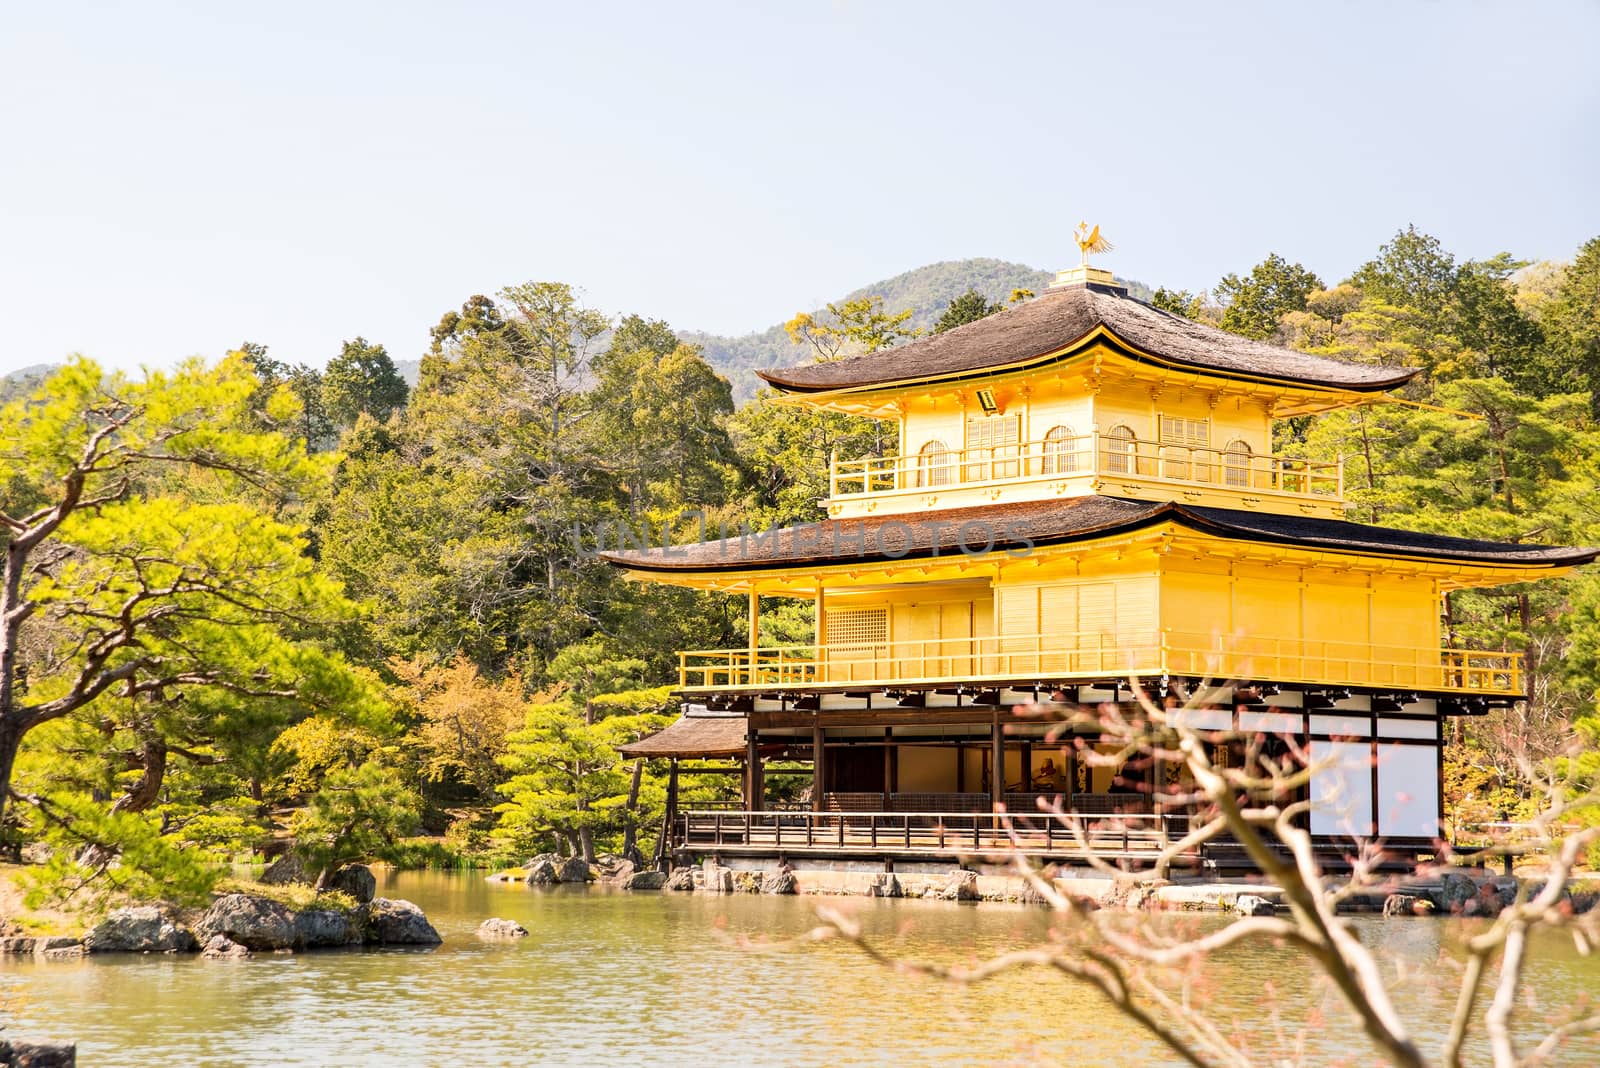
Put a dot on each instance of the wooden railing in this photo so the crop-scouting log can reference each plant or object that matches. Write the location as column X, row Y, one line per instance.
column 1120, row 836
column 921, row 660
column 1089, row 456
column 1099, row 655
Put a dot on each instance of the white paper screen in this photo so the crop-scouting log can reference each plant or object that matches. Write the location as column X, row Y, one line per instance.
column 1408, row 790
column 1341, row 788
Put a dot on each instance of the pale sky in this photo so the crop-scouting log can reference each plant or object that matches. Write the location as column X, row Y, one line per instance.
column 175, row 179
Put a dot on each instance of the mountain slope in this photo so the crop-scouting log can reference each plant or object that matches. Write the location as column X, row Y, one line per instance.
column 23, row 379
column 927, row 291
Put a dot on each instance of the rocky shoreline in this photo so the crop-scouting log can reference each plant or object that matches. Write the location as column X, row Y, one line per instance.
column 238, row 925
column 1465, row 892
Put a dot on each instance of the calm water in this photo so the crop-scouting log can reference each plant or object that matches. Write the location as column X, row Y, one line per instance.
column 664, row 979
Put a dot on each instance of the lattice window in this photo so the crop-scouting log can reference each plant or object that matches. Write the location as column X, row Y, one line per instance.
column 933, row 465
column 1176, row 430
column 1236, row 464
column 1057, row 452
column 992, row 447
column 858, row 626
column 1119, row 450
column 1179, row 437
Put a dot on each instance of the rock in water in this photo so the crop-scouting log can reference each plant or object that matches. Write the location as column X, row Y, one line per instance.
column 716, row 879
column 620, row 872
column 1407, row 905
column 648, row 880
column 573, row 870
column 496, row 929
column 1455, row 890
column 886, row 885
column 397, row 923
column 140, row 929
column 680, row 879
column 1253, row 905
column 253, row 922
column 747, row 882
column 542, row 873
column 221, row 947
column 780, row 881
column 963, row 886
column 324, row 928
column 356, row 880
column 613, row 868
column 38, row 1054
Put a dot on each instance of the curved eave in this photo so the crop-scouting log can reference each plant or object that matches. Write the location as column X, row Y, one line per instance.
column 1101, row 334
column 1525, row 561
column 652, row 563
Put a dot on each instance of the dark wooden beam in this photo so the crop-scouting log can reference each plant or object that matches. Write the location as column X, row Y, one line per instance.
column 819, row 768
column 885, row 717
column 891, row 762
column 997, row 776
column 752, row 769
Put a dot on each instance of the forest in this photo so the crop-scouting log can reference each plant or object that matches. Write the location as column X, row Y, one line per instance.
column 251, row 606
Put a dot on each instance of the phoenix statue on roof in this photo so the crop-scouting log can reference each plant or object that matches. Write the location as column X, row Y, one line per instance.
column 1090, row 241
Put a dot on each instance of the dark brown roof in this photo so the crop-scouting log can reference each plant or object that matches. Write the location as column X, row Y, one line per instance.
column 699, row 736
column 1019, row 525
column 1062, row 319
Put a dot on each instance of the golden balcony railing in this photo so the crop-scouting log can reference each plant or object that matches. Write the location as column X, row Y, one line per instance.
column 1090, row 457
column 1056, row 657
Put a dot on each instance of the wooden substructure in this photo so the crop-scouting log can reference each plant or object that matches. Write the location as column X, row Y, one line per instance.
column 893, row 779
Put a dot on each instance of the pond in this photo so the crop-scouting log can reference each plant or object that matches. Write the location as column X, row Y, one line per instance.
column 667, row 979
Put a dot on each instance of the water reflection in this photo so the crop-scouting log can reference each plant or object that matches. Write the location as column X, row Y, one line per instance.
column 652, row 978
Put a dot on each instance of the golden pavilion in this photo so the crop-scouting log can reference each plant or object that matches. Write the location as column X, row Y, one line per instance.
column 1084, row 493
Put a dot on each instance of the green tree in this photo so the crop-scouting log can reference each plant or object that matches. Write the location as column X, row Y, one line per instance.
column 458, row 521
column 1180, row 302
column 140, row 559
column 663, row 413
column 969, row 307
column 310, row 424
column 860, row 325
column 1254, row 304
column 358, row 803
column 1411, row 270
column 478, row 316
column 361, row 380
column 567, row 779
column 1572, row 323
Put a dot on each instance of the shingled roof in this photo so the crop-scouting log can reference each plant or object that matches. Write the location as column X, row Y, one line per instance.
column 1019, row 525
column 691, row 736
column 1062, row 321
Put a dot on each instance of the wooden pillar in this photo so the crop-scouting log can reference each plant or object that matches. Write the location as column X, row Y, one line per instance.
column 820, row 625
column 1027, row 766
column 669, row 820
column 997, row 769
column 821, row 631
column 819, row 768
column 961, row 768
column 891, row 763
column 755, row 634
column 1069, row 753
column 752, row 770
column 1158, row 775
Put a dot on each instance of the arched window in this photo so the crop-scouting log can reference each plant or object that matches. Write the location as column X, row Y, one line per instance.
column 1119, row 450
column 1058, row 454
column 1236, row 464
column 933, row 464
